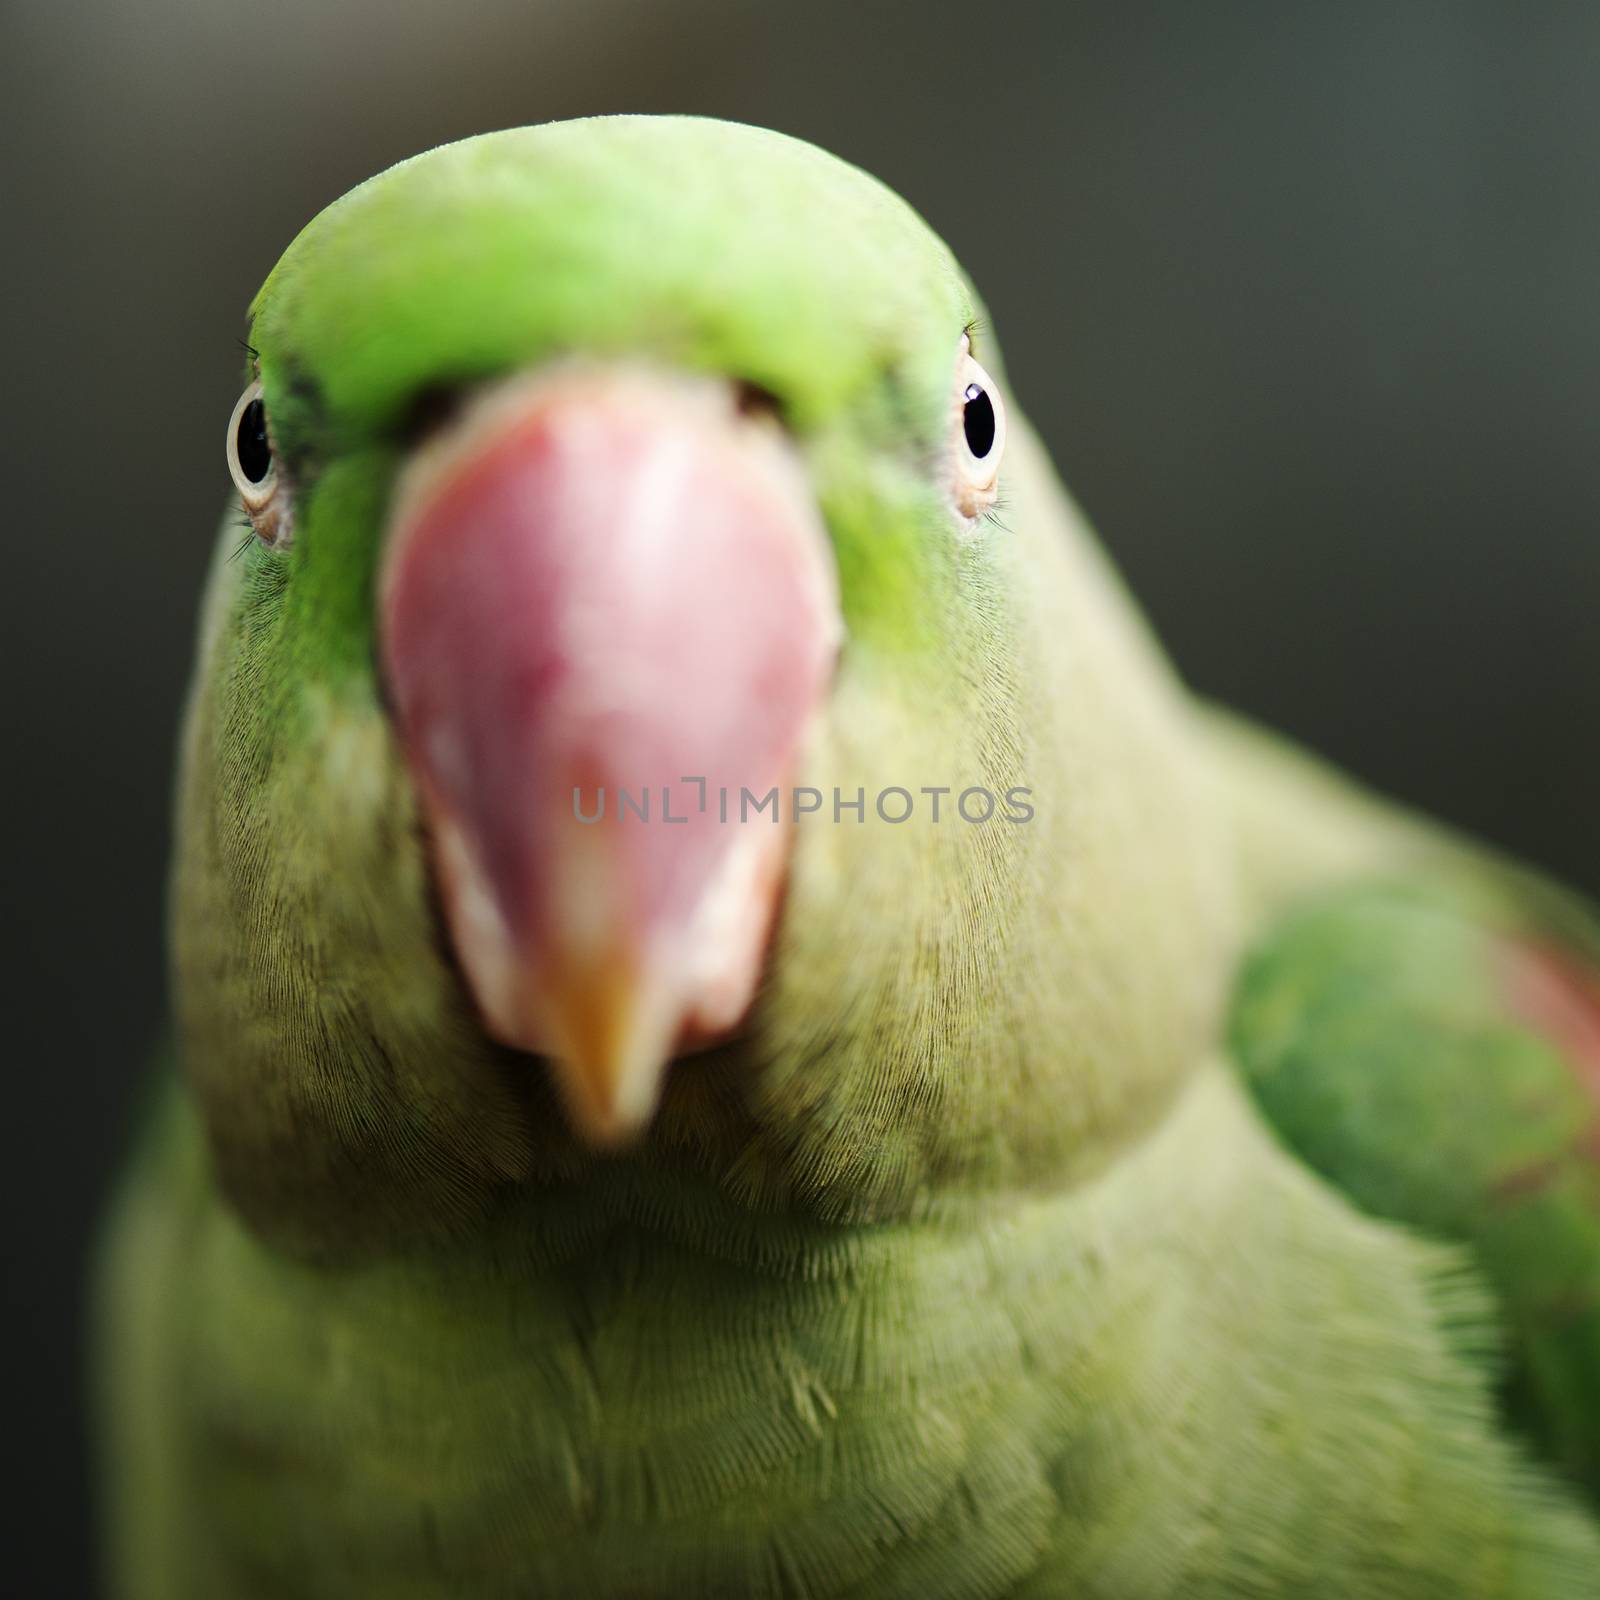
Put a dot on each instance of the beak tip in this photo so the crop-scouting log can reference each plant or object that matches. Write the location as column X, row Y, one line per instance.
column 610, row 1059
column 605, row 1128
column 605, row 1110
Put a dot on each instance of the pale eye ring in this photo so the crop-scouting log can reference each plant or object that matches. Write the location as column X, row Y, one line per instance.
column 979, row 437
column 254, row 468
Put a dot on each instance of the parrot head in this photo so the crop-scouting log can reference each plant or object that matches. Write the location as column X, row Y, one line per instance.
column 625, row 684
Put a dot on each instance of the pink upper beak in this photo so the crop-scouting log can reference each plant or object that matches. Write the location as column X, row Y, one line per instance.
column 607, row 601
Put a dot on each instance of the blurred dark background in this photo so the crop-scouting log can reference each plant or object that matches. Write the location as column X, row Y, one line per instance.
column 1304, row 298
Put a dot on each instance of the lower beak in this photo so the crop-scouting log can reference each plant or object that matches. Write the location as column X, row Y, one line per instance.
column 607, row 611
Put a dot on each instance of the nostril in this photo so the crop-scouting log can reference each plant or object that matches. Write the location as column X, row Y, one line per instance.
column 752, row 400
column 432, row 410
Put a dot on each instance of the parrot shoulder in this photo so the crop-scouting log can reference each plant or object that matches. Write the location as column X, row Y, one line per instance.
column 1420, row 1023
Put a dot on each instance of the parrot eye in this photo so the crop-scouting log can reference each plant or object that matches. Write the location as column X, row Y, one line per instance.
column 254, row 469
column 979, row 436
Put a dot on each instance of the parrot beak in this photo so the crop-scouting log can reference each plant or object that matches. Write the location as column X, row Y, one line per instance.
column 608, row 612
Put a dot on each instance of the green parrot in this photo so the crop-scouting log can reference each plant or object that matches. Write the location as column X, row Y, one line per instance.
column 737, row 1032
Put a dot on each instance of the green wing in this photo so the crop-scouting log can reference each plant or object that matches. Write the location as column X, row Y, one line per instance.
column 1433, row 1048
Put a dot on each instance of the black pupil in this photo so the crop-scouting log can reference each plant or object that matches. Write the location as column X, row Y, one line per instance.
column 978, row 420
column 255, row 454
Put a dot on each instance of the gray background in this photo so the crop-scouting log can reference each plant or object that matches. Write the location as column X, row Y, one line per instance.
column 1304, row 298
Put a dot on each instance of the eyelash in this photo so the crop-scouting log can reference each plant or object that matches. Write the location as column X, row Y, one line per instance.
column 991, row 513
